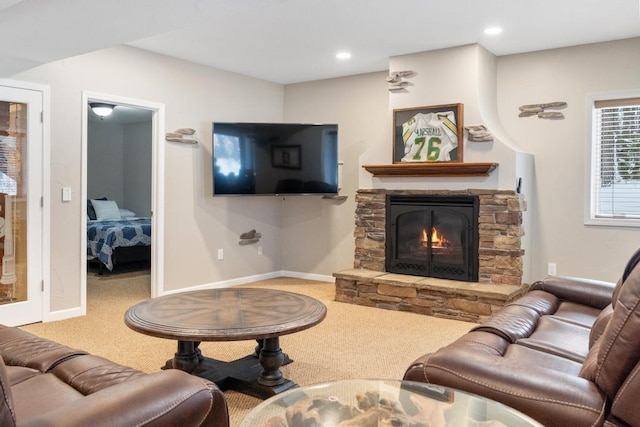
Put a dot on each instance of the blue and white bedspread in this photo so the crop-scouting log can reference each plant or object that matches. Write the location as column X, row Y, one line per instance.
column 104, row 236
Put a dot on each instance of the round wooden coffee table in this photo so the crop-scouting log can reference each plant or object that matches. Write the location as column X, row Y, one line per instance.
column 230, row 314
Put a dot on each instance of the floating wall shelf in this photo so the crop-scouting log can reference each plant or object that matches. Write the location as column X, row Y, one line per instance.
column 447, row 169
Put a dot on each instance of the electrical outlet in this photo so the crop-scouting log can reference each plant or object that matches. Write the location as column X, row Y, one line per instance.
column 259, row 250
column 551, row 269
column 220, row 254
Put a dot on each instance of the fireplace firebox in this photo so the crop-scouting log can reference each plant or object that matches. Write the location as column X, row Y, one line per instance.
column 432, row 236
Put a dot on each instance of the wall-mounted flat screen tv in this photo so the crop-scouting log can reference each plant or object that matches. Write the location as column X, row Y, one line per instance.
column 275, row 159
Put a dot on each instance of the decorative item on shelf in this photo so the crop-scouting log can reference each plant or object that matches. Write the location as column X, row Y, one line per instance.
column 428, row 134
column 395, row 80
column 182, row 135
column 249, row 237
column 540, row 110
column 397, row 86
column 553, row 115
column 478, row 133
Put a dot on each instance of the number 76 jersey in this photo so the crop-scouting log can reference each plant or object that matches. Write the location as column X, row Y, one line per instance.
column 429, row 137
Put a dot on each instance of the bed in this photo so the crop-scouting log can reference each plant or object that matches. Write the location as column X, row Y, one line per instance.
column 114, row 242
column 115, row 236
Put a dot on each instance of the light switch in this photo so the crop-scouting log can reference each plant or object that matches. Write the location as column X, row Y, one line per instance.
column 66, row 194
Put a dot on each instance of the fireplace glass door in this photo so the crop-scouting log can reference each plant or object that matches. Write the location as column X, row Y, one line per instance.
column 431, row 238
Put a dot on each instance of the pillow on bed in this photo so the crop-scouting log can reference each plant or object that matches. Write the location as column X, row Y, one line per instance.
column 106, row 209
column 126, row 213
column 90, row 211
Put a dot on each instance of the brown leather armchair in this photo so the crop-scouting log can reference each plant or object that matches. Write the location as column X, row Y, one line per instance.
column 566, row 353
column 44, row 383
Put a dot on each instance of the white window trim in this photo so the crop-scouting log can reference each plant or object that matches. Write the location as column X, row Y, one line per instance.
column 589, row 208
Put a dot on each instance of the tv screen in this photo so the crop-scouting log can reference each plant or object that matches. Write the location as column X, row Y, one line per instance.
column 275, row 158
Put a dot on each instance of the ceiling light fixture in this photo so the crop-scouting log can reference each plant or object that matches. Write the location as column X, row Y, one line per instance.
column 343, row 55
column 101, row 109
column 492, row 31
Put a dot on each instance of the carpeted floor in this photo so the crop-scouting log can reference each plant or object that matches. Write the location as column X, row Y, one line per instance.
column 352, row 342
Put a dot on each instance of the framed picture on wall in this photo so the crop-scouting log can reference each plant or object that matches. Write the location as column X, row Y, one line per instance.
column 428, row 134
column 286, row 156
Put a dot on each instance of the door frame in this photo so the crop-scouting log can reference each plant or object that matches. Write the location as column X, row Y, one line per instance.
column 44, row 207
column 157, row 187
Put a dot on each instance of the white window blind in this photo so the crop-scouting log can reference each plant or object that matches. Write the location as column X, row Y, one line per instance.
column 615, row 180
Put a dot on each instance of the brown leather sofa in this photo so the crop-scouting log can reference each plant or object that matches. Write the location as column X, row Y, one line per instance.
column 567, row 353
column 44, row 383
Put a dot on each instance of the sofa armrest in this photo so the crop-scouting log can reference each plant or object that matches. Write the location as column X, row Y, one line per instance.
column 170, row 397
column 593, row 293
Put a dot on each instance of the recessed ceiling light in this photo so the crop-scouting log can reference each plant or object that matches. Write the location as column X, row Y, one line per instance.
column 343, row 55
column 492, row 31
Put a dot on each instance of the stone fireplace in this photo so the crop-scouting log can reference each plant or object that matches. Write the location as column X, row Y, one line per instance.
column 499, row 261
column 496, row 172
column 499, row 231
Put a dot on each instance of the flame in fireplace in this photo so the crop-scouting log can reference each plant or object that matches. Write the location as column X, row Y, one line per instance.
column 437, row 240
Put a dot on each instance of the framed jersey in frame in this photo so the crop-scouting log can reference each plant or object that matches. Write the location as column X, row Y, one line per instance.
column 428, row 134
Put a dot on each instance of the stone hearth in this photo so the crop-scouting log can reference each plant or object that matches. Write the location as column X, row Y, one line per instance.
column 500, row 262
column 449, row 299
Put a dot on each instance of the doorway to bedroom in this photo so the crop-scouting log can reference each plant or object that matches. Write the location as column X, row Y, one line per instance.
column 119, row 191
column 121, row 180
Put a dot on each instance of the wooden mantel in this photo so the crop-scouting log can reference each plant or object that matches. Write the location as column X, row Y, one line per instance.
column 448, row 169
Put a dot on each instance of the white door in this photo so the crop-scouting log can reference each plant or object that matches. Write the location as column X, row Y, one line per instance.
column 21, row 205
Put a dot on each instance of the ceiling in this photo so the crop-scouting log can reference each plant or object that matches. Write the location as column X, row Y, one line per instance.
column 289, row 41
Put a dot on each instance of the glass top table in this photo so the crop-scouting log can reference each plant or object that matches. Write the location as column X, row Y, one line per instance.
column 366, row 403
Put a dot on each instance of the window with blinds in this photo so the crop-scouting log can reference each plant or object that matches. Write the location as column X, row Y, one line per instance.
column 615, row 173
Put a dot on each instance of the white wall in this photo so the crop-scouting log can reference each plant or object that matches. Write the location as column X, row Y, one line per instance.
column 105, row 168
column 119, row 164
column 137, row 165
column 317, row 234
column 555, row 198
column 363, row 107
column 196, row 223
column 464, row 75
column 560, row 149
column 311, row 234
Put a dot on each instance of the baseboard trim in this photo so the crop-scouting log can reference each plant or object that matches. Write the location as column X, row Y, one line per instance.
column 79, row 311
column 64, row 314
column 255, row 278
column 308, row 276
